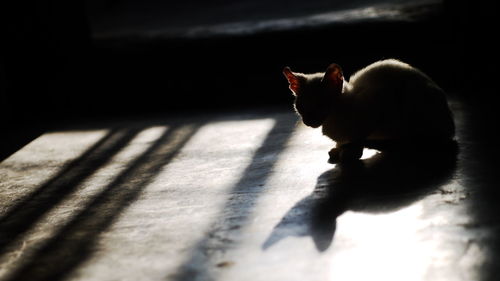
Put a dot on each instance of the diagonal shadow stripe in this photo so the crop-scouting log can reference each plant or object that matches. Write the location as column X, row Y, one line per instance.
column 66, row 170
column 225, row 232
column 21, row 218
column 74, row 243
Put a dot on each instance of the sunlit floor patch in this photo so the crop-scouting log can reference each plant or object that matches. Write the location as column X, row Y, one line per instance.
column 384, row 245
column 200, row 165
column 55, row 203
column 41, row 160
column 228, row 198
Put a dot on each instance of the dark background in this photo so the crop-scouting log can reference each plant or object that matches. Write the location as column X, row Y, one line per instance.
column 71, row 60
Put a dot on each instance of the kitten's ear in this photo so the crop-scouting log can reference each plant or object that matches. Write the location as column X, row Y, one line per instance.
column 293, row 79
column 334, row 77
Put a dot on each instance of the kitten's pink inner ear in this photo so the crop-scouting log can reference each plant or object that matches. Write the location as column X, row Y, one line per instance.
column 292, row 79
column 334, row 76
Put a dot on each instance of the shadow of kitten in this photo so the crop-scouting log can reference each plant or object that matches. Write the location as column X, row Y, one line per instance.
column 402, row 174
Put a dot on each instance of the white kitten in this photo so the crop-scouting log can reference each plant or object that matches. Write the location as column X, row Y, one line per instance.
column 387, row 100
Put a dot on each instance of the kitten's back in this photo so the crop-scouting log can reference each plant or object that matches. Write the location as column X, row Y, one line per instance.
column 387, row 75
column 405, row 97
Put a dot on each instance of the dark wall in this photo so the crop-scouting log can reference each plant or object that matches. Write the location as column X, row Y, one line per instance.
column 162, row 74
column 44, row 46
column 50, row 69
column 473, row 25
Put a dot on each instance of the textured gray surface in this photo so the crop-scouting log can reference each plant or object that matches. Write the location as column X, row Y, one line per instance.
column 243, row 196
column 198, row 19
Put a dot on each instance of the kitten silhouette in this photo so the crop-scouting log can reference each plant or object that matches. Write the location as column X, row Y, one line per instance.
column 387, row 100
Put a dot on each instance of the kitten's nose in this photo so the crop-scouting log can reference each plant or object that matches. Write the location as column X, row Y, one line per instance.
column 311, row 123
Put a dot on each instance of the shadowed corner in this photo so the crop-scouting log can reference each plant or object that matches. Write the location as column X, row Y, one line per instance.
column 14, row 139
column 478, row 174
column 74, row 243
column 389, row 181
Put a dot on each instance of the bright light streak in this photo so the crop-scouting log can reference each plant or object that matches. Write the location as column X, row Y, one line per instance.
column 382, row 246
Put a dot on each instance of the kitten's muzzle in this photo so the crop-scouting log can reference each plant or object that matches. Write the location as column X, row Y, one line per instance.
column 312, row 123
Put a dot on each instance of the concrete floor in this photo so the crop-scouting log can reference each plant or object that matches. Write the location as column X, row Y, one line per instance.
column 245, row 196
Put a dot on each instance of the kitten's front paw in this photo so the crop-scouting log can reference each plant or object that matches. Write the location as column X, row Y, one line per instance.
column 334, row 154
column 350, row 153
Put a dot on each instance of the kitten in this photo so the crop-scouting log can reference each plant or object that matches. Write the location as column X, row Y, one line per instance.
column 386, row 101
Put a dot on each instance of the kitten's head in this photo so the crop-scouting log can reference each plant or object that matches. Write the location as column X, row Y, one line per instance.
column 315, row 93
